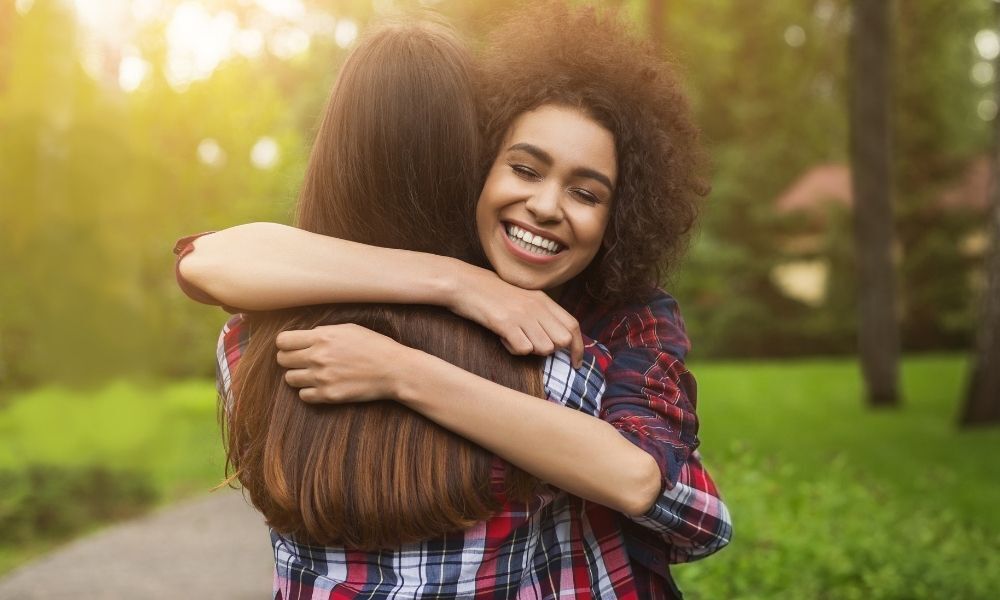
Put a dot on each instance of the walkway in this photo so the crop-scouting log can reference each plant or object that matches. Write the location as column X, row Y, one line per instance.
column 211, row 547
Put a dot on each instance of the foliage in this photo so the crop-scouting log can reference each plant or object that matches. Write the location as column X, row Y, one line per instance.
column 835, row 534
column 97, row 183
column 771, row 110
column 830, row 500
column 70, row 460
column 51, row 501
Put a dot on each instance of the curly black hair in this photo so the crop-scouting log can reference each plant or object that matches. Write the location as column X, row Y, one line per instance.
column 549, row 53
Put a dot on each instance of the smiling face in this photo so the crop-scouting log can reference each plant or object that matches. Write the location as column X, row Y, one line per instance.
column 547, row 199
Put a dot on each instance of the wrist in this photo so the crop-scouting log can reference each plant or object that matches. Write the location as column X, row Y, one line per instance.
column 453, row 283
column 404, row 386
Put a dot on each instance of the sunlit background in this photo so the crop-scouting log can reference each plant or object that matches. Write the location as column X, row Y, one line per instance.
column 126, row 125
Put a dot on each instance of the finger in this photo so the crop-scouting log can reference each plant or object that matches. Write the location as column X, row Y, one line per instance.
column 295, row 339
column 310, row 394
column 300, row 378
column 576, row 350
column 556, row 332
column 294, row 359
column 517, row 343
column 575, row 346
column 563, row 338
column 541, row 343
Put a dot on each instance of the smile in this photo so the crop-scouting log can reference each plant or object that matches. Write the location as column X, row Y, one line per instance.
column 531, row 242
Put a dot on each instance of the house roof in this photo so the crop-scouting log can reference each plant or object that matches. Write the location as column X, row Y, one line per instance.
column 828, row 183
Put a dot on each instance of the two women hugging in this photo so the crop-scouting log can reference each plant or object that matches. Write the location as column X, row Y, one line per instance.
column 457, row 375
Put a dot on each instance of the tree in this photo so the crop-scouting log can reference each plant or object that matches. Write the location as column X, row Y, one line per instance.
column 982, row 400
column 878, row 331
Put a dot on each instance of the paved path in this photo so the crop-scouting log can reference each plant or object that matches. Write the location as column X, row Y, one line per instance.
column 215, row 546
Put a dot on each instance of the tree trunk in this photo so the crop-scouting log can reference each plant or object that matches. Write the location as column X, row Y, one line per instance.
column 982, row 399
column 878, row 328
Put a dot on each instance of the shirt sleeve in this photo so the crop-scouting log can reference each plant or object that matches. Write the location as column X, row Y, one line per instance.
column 690, row 517
column 651, row 396
column 651, row 399
column 182, row 248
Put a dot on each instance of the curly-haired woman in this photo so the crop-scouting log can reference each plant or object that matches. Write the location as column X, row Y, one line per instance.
column 590, row 192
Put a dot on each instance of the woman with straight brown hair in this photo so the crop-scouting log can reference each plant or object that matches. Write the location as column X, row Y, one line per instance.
column 399, row 124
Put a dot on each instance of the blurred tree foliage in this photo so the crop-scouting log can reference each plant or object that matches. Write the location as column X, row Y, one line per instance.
column 97, row 183
column 769, row 85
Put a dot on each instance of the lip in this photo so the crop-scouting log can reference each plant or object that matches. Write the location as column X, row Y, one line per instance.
column 524, row 255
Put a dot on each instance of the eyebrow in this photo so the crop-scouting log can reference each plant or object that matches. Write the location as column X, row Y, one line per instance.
column 546, row 158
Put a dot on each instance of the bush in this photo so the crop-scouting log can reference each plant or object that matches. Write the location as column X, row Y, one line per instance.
column 831, row 534
column 51, row 501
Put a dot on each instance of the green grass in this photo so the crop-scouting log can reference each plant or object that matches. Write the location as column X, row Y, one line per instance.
column 833, row 500
column 70, row 460
column 829, row 499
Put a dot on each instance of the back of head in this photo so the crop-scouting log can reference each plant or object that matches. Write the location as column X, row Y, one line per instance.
column 551, row 53
column 395, row 165
column 394, row 158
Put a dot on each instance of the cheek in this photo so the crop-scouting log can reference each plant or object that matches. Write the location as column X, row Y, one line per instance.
column 596, row 229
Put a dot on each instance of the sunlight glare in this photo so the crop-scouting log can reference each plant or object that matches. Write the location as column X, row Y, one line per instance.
column 264, row 153
column 249, row 43
column 146, row 10
column 345, row 33
column 211, row 153
column 23, row 6
column 131, row 72
column 288, row 42
column 290, row 9
column 824, row 11
column 982, row 73
column 987, row 44
column 795, row 36
column 197, row 43
column 987, row 109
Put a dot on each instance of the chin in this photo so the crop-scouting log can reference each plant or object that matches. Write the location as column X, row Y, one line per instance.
column 522, row 280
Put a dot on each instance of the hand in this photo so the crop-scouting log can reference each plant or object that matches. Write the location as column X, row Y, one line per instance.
column 527, row 321
column 340, row 363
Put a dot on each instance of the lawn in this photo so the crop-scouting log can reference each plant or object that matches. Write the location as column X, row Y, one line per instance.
column 829, row 499
column 832, row 500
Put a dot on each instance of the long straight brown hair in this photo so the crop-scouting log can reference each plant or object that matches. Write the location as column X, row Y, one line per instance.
column 394, row 164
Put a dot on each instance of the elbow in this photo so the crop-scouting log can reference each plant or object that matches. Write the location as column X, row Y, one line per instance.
column 645, row 487
column 196, row 269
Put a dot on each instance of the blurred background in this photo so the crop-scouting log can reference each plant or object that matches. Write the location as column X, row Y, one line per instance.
column 852, row 471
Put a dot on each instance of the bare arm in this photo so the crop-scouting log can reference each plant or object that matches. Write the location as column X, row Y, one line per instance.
column 567, row 448
column 266, row 266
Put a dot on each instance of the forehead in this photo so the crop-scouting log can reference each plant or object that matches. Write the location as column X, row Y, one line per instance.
column 568, row 135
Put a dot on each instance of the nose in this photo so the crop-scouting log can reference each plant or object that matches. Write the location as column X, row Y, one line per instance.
column 545, row 204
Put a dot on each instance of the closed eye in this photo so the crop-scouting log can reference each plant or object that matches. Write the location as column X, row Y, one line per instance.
column 586, row 196
column 524, row 171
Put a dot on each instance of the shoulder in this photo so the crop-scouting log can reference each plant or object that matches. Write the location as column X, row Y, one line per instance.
column 652, row 319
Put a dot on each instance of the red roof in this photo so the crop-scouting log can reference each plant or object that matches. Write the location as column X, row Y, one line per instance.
column 831, row 183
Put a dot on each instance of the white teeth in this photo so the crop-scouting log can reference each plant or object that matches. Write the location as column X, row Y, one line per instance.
column 532, row 242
